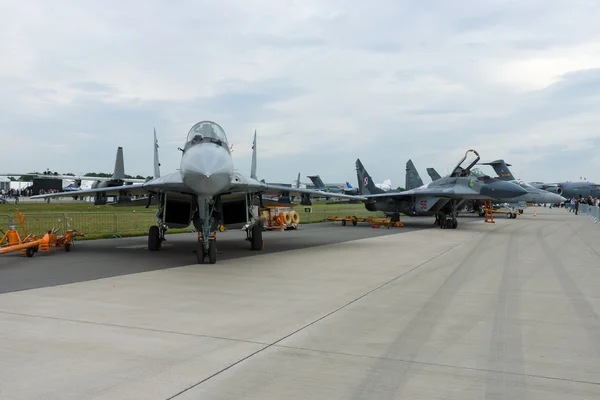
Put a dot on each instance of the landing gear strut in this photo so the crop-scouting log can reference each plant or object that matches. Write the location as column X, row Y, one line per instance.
column 207, row 246
column 447, row 220
column 254, row 229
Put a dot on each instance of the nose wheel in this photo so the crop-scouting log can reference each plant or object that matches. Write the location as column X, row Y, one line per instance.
column 206, row 254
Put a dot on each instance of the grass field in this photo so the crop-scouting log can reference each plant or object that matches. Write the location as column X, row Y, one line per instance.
column 112, row 221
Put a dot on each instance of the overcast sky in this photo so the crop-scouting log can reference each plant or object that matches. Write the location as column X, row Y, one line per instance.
column 323, row 83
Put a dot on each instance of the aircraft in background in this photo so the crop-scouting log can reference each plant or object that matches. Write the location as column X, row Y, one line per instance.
column 441, row 198
column 205, row 191
column 346, row 189
column 570, row 189
column 117, row 179
column 533, row 195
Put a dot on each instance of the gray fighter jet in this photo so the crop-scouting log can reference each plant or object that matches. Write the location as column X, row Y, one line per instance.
column 564, row 189
column 441, row 198
column 206, row 191
column 533, row 195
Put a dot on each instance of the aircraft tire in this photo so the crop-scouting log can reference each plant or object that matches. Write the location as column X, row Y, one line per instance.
column 256, row 242
column 200, row 253
column 212, row 252
column 153, row 238
column 448, row 224
column 454, row 224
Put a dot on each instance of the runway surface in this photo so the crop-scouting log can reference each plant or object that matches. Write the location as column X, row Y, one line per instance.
column 111, row 257
column 503, row 311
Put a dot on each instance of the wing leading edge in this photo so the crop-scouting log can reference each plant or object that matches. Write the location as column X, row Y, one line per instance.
column 174, row 183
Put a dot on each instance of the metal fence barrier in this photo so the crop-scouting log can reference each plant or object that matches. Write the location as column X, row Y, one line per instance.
column 119, row 223
column 591, row 211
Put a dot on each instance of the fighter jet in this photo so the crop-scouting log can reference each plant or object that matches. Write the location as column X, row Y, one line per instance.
column 564, row 189
column 117, row 179
column 441, row 198
column 207, row 191
column 533, row 195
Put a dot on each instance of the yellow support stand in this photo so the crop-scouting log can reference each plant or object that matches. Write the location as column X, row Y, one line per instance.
column 489, row 215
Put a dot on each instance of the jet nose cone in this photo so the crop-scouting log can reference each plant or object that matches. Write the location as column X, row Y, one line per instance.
column 502, row 190
column 207, row 168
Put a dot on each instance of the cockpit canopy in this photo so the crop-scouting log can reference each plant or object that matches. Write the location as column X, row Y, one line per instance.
column 525, row 185
column 206, row 131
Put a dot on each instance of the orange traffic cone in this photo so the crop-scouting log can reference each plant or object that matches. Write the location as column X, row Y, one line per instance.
column 534, row 213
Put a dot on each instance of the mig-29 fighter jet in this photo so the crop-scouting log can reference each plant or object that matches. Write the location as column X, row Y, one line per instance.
column 547, row 192
column 441, row 198
column 533, row 195
column 206, row 191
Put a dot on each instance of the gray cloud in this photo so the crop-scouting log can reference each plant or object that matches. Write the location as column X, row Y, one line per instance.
column 323, row 83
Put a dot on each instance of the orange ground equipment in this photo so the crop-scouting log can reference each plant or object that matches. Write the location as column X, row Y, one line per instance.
column 30, row 244
column 279, row 218
column 387, row 222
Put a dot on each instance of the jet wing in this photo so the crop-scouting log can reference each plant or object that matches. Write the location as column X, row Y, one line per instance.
column 313, row 192
column 75, row 177
column 167, row 183
column 174, row 183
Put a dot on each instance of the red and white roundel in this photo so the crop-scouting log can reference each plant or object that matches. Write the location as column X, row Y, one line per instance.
column 366, row 180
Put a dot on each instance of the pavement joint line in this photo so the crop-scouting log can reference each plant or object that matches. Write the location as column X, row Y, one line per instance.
column 399, row 360
column 198, row 335
column 583, row 240
column 381, row 286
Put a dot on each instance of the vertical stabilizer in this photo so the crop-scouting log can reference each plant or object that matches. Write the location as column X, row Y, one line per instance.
column 501, row 169
column 318, row 182
column 413, row 179
column 156, row 162
column 253, row 167
column 298, row 181
column 433, row 174
column 365, row 183
column 119, row 172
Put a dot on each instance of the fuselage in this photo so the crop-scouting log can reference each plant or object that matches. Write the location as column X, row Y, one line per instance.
column 536, row 195
column 570, row 189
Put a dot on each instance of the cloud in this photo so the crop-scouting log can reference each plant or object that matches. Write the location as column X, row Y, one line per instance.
column 323, row 83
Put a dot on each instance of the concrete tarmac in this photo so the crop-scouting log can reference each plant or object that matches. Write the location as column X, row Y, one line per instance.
column 112, row 257
column 503, row 311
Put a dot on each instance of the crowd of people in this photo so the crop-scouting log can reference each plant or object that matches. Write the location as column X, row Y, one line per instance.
column 574, row 203
column 26, row 192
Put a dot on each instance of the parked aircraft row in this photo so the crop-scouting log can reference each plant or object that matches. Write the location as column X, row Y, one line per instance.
column 208, row 192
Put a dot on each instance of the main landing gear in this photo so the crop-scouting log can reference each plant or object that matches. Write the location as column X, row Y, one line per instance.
column 254, row 236
column 446, row 219
column 156, row 235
